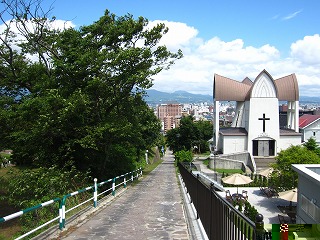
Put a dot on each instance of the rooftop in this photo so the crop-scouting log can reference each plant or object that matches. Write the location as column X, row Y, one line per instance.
column 287, row 88
column 233, row 131
column 307, row 119
column 310, row 171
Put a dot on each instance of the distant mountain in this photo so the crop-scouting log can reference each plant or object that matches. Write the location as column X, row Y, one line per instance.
column 157, row 97
column 305, row 99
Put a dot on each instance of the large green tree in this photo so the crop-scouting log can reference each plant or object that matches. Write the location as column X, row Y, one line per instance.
column 190, row 135
column 284, row 177
column 79, row 100
column 312, row 145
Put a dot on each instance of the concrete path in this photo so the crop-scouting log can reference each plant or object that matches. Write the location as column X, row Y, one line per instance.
column 152, row 209
column 268, row 207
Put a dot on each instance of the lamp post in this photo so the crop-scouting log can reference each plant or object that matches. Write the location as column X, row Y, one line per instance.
column 214, row 162
column 147, row 156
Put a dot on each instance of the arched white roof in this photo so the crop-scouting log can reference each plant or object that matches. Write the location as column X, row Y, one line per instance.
column 285, row 88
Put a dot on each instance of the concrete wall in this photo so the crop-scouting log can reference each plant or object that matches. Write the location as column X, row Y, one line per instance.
column 311, row 191
column 234, row 144
column 233, row 161
column 223, row 163
column 286, row 141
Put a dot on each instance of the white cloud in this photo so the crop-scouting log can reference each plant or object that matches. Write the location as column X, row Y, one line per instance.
column 62, row 24
column 235, row 52
column 307, row 50
column 291, row 15
column 179, row 35
column 202, row 59
column 57, row 24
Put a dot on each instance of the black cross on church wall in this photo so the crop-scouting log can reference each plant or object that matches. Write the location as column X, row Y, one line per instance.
column 264, row 121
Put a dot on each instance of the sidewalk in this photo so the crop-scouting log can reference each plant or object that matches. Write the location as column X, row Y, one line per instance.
column 152, row 209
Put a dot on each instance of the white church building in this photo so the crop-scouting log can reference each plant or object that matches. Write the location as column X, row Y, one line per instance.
column 255, row 127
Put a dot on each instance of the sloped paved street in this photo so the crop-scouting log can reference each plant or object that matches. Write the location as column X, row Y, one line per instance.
column 152, row 209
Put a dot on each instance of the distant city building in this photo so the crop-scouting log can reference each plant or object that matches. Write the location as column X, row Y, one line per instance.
column 169, row 115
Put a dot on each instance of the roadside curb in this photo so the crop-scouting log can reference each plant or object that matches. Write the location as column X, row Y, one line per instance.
column 195, row 227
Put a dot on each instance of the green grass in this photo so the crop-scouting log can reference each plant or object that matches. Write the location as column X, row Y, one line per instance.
column 205, row 154
column 229, row 171
column 206, row 162
column 6, row 155
column 10, row 228
column 150, row 167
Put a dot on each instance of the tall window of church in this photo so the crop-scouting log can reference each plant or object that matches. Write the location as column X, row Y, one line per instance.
column 314, row 134
column 271, row 147
column 237, row 118
column 255, row 148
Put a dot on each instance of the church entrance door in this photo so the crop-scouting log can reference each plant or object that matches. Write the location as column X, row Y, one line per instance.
column 263, row 148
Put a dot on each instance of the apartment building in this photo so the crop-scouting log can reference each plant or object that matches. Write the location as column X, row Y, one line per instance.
column 169, row 115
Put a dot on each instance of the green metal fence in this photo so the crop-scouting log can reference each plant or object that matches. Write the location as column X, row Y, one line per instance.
column 117, row 182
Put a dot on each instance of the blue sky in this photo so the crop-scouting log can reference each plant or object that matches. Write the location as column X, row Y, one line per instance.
column 232, row 38
column 272, row 22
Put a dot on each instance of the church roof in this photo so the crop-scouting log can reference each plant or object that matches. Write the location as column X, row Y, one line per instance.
column 288, row 89
column 307, row 119
column 226, row 89
column 289, row 132
column 233, row 131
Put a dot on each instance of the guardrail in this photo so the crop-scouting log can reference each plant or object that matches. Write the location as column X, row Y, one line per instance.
column 116, row 183
column 219, row 218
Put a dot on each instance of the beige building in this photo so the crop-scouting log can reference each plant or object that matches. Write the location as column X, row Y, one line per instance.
column 169, row 115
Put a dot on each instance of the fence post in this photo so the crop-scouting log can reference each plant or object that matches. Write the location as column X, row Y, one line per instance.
column 124, row 181
column 197, row 193
column 114, row 187
column 131, row 176
column 211, row 212
column 95, row 193
column 259, row 227
column 62, row 213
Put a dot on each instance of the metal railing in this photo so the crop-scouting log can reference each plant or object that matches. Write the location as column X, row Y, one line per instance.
column 116, row 182
column 219, row 218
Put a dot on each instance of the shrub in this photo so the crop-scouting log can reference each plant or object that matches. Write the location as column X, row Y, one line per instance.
column 30, row 187
column 183, row 156
column 250, row 211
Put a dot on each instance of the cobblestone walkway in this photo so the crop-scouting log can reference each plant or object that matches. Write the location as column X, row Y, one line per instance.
column 152, row 209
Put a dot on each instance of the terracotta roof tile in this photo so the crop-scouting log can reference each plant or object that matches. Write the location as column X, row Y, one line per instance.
column 306, row 119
